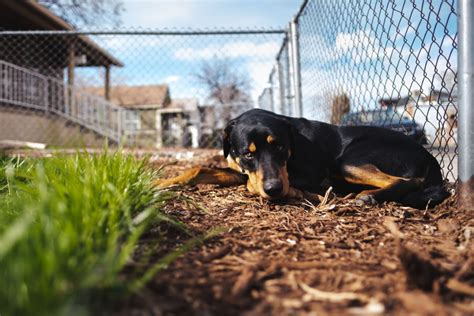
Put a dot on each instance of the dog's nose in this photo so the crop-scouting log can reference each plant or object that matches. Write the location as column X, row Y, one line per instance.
column 273, row 187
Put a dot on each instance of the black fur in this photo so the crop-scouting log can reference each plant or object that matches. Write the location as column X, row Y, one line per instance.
column 315, row 151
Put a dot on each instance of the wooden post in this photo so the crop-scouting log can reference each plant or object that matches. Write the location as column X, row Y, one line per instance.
column 159, row 129
column 71, row 64
column 107, row 82
column 70, row 80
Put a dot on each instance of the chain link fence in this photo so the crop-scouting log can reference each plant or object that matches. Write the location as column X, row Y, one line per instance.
column 388, row 63
column 147, row 89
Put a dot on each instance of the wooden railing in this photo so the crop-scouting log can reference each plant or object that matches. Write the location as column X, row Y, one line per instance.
column 26, row 88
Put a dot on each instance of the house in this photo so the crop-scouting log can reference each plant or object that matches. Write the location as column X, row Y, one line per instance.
column 37, row 73
column 152, row 119
column 140, row 124
column 435, row 111
column 181, row 123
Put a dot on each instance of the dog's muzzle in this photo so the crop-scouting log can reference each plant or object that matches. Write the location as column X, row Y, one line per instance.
column 273, row 187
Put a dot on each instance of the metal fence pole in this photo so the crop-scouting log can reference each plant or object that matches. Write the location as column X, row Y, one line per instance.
column 272, row 88
column 272, row 104
column 466, row 104
column 295, row 54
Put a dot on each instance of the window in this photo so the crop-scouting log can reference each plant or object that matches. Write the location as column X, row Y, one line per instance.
column 132, row 120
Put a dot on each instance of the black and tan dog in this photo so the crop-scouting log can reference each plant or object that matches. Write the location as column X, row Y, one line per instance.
column 280, row 157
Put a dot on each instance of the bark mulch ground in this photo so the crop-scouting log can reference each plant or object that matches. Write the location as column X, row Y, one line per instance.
column 307, row 258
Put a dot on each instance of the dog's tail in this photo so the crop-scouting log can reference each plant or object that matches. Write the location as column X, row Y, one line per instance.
column 427, row 197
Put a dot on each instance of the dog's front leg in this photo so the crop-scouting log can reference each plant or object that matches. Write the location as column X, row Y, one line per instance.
column 200, row 175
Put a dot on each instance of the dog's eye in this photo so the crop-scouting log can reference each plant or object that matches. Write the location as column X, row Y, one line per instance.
column 248, row 156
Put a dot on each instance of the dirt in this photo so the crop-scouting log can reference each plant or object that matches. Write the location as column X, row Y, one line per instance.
column 312, row 258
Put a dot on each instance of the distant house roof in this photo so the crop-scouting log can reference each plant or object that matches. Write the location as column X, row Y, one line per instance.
column 433, row 96
column 29, row 15
column 185, row 104
column 136, row 97
column 389, row 102
column 436, row 95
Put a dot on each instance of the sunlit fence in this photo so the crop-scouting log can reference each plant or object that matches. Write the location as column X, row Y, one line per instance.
column 384, row 63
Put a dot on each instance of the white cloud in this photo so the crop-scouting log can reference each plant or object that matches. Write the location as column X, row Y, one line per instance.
column 172, row 79
column 360, row 45
column 230, row 50
column 348, row 41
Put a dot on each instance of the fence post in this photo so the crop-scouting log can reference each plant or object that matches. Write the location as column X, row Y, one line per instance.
column 466, row 105
column 119, row 125
column 272, row 89
column 45, row 95
column 295, row 61
column 281, row 87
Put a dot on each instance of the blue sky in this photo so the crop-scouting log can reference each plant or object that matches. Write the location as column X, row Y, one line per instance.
column 159, row 14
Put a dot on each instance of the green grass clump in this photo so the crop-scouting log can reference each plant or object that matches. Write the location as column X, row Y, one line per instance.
column 68, row 226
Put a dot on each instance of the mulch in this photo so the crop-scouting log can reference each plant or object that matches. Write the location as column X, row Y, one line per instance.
column 308, row 258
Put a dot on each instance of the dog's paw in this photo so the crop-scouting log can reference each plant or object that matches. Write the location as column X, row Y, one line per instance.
column 312, row 197
column 295, row 194
column 365, row 199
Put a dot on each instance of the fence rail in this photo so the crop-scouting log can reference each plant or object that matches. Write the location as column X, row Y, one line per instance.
column 20, row 86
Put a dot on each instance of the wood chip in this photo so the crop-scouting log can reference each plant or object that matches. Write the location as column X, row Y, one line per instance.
column 244, row 281
column 313, row 294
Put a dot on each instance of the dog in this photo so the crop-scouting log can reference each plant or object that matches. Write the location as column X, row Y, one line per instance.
column 283, row 157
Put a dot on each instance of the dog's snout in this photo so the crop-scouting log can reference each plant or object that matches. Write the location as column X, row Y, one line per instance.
column 273, row 187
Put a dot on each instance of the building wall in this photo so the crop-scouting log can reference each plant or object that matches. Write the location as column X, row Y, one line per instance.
column 29, row 125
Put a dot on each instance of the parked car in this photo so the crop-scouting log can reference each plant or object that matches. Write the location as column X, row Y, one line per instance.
column 387, row 119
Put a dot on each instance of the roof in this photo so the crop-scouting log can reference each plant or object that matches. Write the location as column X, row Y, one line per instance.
column 185, row 104
column 136, row 97
column 434, row 95
column 395, row 101
column 29, row 15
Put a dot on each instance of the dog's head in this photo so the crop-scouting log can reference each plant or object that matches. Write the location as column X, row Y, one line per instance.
column 259, row 144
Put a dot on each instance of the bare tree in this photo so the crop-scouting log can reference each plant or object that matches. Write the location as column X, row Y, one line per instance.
column 228, row 90
column 80, row 13
column 341, row 104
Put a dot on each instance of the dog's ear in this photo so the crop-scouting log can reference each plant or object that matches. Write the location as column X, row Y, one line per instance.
column 291, row 138
column 226, row 138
